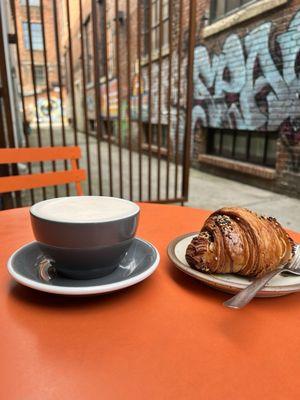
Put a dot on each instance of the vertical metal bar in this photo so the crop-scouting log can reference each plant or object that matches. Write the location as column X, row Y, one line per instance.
column 139, row 97
column 169, row 99
column 72, row 74
column 159, row 100
column 179, row 49
column 6, row 128
column 4, row 76
column 84, row 96
column 111, row 189
column 149, row 99
column 60, row 81
column 97, row 89
column 74, row 166
column 34, row 86
column 119, row 96
column 129, row 99
column 6, row 199
column 189, row 101
column 47, row 85
column 13, row 6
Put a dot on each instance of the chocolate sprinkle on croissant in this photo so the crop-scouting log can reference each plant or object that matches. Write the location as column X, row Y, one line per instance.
column 237, row 240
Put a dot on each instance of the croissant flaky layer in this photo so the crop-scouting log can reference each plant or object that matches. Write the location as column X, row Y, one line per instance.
column 237, row 240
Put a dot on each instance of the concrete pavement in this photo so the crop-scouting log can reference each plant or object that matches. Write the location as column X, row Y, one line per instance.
column 206, row 191
column 212, row 192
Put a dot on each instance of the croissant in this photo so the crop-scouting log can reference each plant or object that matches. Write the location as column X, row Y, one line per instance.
column 237, row 240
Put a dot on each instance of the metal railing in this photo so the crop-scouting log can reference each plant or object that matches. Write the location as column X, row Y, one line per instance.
column 133, row 121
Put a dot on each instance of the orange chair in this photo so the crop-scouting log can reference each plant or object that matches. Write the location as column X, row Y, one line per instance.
column 38, row 180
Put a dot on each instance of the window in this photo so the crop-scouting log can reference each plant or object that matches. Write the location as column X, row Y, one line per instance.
column 39, row 72
column 253, row 147
column 107, row 128
column 220, row 8
column 155, row 24
column 92, row 124
column 32, row 3
column 36, row 35
column 155, row 133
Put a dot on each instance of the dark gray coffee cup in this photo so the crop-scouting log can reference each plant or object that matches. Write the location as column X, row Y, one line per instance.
column 85, row 250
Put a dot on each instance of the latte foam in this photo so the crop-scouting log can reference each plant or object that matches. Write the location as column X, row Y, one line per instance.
column 84, row 209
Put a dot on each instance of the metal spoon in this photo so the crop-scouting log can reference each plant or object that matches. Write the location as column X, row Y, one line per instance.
column 242, row 298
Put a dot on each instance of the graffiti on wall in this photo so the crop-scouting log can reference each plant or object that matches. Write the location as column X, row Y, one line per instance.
column 251, row 85
column 159, row 73
column 177, row 106
column 135, row 98
column 113, row 100
column 44, row 110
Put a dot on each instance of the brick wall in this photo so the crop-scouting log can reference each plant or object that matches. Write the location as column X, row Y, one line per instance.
column 260, row 93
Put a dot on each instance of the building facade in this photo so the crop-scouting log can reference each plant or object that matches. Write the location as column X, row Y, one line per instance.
column 246, row 92
column 36, row 33
column 246, row 99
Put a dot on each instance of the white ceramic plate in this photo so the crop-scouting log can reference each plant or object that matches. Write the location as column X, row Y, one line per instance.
column 278, row 286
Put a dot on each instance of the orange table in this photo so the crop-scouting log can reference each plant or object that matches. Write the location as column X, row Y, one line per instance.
column 168, row 337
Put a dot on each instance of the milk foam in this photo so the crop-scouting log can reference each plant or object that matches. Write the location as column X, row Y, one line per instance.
column 84, row 209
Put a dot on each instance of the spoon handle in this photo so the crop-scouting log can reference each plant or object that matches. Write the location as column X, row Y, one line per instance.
column 242, row 298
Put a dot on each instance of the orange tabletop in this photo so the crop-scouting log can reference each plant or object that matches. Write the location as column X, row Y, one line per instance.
column 168, row 337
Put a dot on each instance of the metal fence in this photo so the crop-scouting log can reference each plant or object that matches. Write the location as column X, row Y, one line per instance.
column 114, row 78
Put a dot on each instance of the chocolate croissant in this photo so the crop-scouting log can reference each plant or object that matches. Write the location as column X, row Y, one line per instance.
column 237, row 240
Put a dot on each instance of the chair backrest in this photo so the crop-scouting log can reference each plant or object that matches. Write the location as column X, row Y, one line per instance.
column 37, row 180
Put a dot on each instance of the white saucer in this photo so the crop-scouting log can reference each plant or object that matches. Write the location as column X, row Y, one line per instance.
column 280, row 285
column 140, row 261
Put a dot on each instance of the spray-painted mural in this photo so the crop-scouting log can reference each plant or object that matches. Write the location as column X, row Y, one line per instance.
column 113, row 100
column 252, row 84
column 44, row 109
column 135, row 98
column 177, row 102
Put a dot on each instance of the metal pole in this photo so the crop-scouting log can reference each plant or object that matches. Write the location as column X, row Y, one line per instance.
column 189, row 101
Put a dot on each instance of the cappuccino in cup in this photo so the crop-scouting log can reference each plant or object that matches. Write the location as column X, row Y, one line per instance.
column 84, row 209
column 86, row 236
